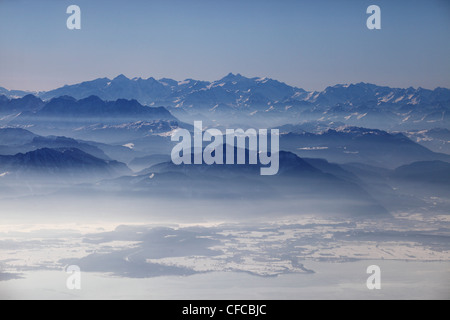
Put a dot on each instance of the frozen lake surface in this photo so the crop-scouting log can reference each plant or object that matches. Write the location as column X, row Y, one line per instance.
column 399, row 280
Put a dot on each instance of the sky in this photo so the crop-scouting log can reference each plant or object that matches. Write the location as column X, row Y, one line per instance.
column 308, row 44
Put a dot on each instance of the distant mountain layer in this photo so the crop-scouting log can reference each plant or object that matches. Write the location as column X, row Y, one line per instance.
column 12, row 137
column 353, row 144
column 241, row 90
column 62, row 115
column 436, row 172
column 17, row 140
column 14, row 93
column 93, row 108
column 56, row 163
column 27, row 103
column 297, row 180
column 427, row 178
column 167, row 90
column 235, row 97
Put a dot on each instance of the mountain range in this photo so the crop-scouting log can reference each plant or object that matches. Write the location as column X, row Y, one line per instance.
column 65, row 114
column 238, row 99
column 356, row 148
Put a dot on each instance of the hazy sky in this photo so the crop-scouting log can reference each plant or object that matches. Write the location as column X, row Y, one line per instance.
column 309, row 44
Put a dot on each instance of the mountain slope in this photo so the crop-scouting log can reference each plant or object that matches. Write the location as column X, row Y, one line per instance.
column 15, row 136
column 437, row 139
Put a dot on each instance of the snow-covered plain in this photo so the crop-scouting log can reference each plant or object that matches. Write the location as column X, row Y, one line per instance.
column 297, row 257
